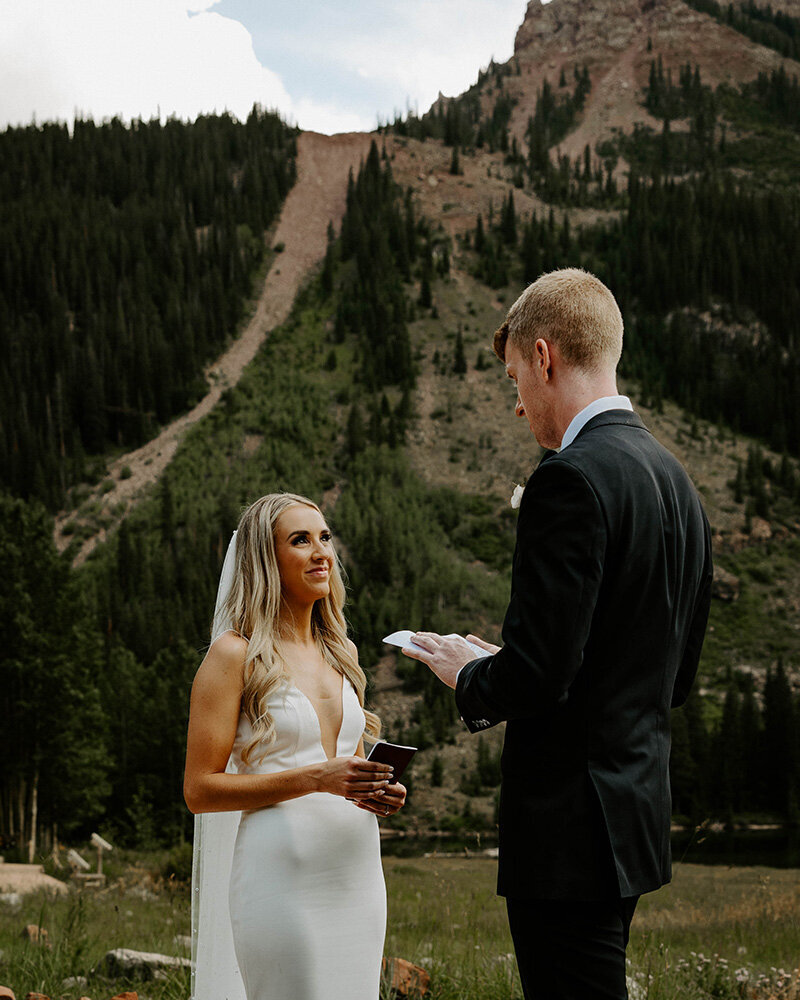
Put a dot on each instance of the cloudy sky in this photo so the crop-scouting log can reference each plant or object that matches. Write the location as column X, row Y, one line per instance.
column 328, row 66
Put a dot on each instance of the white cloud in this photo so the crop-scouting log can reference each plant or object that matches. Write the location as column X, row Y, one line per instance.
column 127, row 57
column 326, row 117
column 419, row 47
column 137, row 58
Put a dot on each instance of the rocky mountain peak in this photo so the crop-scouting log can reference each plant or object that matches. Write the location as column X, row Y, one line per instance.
column 581, row 27
column 616, row 40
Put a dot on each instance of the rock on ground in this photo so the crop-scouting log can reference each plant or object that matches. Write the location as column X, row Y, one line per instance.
column 28, row 878
column 36, row 935
column 405, row 979
column 142, row 965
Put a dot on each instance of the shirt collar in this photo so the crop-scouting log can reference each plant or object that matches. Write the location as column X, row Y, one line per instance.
column 580, row 420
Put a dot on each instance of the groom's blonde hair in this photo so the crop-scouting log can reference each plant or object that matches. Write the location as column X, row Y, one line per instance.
column 573, row 310
column 253, row 606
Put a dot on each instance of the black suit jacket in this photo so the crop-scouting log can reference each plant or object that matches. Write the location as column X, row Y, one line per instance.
column 610, row 595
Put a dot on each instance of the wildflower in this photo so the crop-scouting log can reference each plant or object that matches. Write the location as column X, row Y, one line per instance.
column 516, row 496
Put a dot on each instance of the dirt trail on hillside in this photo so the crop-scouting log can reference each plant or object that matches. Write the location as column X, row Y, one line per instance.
column 317, row 198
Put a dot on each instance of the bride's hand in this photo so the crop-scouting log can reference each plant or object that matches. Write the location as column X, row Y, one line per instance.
column 393, row 798
column 354, row 777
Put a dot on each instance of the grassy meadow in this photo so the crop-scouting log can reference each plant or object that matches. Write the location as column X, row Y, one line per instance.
column 692, row 939
column 714, row 932
column 138, row 909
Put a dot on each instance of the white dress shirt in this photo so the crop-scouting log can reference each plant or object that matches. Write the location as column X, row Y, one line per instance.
column 580, row 420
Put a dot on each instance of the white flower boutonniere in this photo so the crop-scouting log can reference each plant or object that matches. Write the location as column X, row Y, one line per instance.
column 516, row 496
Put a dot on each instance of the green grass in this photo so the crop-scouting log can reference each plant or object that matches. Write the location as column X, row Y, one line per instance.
column 81, row 928
column 688, row 940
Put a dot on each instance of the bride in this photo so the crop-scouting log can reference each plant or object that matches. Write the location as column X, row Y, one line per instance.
column 280, row 695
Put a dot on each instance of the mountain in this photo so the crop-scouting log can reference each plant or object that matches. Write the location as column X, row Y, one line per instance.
column 617, row 42
column 621, row 46
column 655, row 144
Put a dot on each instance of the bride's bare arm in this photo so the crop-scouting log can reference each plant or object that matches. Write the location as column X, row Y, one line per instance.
column 213, row 719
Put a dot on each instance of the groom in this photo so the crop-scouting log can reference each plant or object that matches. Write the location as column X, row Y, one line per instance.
column 610, row 593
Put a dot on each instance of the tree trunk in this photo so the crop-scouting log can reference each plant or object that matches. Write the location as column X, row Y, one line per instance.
column 20, row 812
column 6, row 813
column 34, row 817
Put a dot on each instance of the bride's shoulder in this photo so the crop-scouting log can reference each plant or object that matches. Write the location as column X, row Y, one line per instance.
column 230, row 642
column 226, row 655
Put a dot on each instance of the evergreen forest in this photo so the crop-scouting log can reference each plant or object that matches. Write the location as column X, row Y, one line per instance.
column 128, row 255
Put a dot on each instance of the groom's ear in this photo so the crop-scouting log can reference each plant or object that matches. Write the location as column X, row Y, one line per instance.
column 542, row 361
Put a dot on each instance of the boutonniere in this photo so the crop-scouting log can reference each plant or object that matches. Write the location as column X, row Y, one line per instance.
column 516, row 496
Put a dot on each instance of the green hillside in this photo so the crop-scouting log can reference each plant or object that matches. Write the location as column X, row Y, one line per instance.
column 126, row 256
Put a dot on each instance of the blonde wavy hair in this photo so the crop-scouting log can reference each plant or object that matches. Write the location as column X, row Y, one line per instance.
column 573, row 309
column 252, row 610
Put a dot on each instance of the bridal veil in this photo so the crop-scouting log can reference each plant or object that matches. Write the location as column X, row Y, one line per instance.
column 215, row 971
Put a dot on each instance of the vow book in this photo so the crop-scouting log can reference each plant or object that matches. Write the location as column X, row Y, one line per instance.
column 392, row 753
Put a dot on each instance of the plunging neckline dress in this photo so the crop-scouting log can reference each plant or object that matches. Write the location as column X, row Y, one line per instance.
column 307, row 895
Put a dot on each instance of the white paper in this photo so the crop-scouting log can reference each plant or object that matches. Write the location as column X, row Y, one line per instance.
column 403, row 639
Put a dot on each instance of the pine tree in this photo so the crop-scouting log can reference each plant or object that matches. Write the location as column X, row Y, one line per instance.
column 479, row 235
column 682, row 768
column 508, row 223
column 459, row 357
column 48, row 686
column 425, row 295
column 780, row 763
column 355, row 434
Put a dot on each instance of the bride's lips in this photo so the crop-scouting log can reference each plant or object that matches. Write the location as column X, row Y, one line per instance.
column 319, row 571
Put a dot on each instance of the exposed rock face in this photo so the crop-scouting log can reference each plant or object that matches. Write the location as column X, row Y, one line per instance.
column 617, row 40
column 593, row 31
column 761, row 530
column 574, row 26
column 725, row 586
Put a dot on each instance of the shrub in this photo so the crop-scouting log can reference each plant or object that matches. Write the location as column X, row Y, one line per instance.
column 178, row 864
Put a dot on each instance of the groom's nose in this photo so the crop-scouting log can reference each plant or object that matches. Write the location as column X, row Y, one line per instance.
column 519, row 409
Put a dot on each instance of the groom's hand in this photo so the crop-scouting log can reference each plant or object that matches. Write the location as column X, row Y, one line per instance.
column 445, row 655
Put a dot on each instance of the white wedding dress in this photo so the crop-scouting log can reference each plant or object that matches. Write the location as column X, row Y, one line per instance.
column 303, row 878
column 307, row 896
